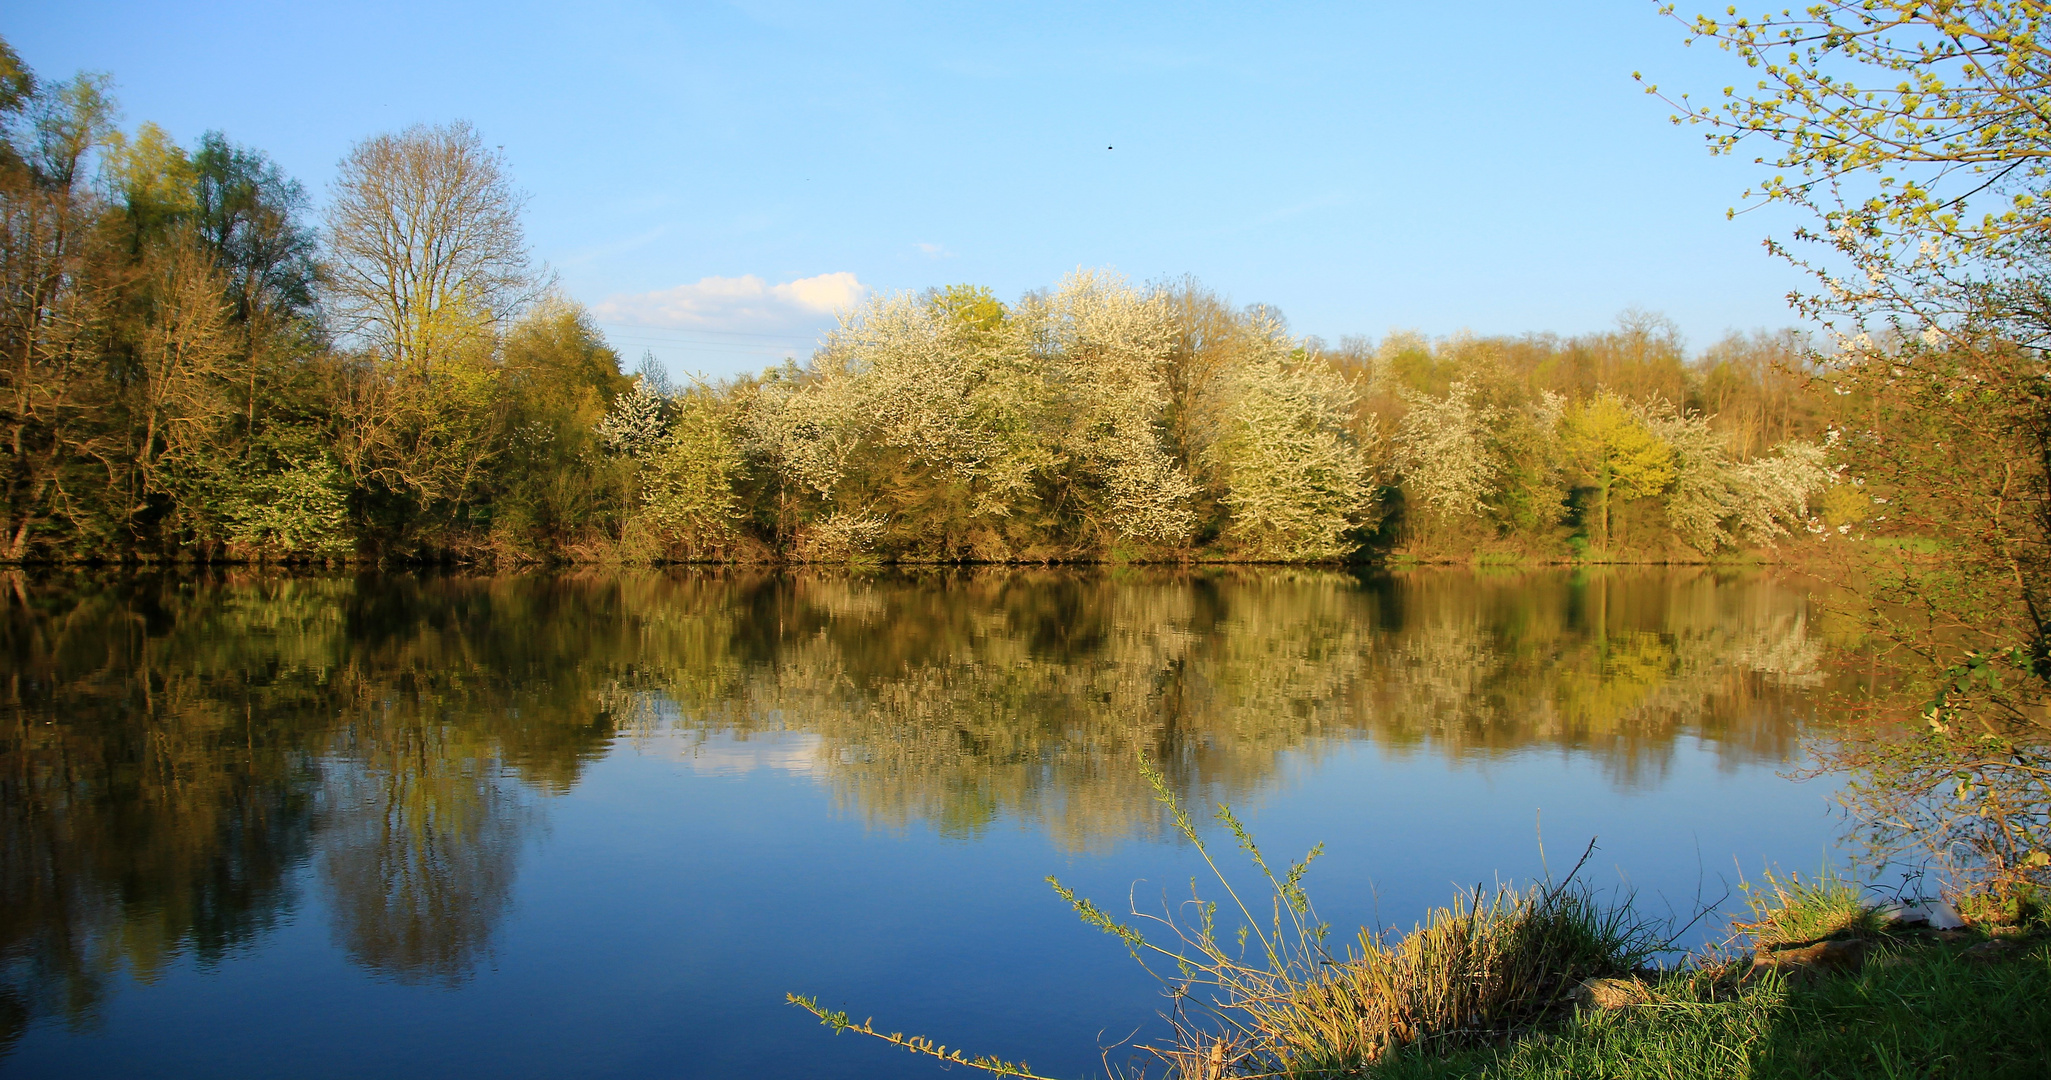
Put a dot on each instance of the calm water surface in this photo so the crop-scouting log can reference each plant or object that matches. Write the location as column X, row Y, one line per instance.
column 599, row 825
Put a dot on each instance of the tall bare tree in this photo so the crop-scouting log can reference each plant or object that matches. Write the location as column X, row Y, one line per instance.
column 427, row 261
column 425, row 243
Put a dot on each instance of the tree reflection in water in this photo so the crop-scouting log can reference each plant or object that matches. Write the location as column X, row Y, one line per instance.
column 962, row 699
column 176, row 749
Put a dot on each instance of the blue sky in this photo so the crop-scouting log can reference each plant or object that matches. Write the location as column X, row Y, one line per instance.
column 713, row 178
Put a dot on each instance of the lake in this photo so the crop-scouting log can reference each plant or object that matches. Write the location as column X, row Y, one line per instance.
column 598, row 824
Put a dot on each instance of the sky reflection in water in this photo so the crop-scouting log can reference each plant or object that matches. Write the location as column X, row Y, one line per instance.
column 598, row 825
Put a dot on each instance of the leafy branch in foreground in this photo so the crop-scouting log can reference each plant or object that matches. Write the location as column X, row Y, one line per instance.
column 1968, row 790
column 1916, row 138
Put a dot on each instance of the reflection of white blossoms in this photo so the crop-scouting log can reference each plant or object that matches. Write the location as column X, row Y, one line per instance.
column 1784, row 654
column 1020, row 695
column 1616, row 667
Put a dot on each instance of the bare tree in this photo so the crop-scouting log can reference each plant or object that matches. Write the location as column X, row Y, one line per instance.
column 425, row 243
column 428, row 260
column 182, row 393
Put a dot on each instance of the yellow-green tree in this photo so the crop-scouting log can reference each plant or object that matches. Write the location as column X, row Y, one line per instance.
column 553, row 489
column 1618, row 456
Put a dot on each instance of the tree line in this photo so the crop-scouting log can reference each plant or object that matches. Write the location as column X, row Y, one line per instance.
column 199, row 366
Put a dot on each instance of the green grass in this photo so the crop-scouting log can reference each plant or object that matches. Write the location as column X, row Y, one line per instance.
column 1789, row 910
column 1915, row 1010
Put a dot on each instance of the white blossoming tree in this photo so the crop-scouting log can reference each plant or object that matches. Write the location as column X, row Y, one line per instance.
column 1103, row 345
column 635, row 424
column 1297, row 479
column 1442, row 453
column 1715, row 501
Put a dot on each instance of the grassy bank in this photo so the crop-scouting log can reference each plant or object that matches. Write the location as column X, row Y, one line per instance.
column 1542, row 985
column 1915, row 1008
column 1817, row 982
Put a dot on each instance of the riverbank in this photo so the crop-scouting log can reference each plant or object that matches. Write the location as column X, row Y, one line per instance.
column 488, row 561
column 1816, row 984
column 1973, row 1006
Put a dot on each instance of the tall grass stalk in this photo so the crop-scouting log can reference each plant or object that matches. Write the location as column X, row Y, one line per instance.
column 1268, row 998
column 1277, row 1002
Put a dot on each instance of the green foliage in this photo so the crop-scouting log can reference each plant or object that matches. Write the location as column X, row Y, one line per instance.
column 687, row 483
column 154, row 180
column 555, row 489
column 917, row 1044
column 1968, row 788
column 973, row 307
column 1896, row 123
column 1531, row 492
column 1615, row 453
column 298, row 508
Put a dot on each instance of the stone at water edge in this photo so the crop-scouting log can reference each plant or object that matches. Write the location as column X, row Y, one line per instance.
column 1943, row 916
column 1902, row 913
column 1824, row 957
column 1611, row 993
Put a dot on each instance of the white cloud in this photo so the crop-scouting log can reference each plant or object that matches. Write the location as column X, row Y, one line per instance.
column 722, row 754
column 744, row 304
column 936, row 251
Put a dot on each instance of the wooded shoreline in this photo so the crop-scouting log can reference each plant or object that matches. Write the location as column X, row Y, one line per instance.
column 198, row 367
